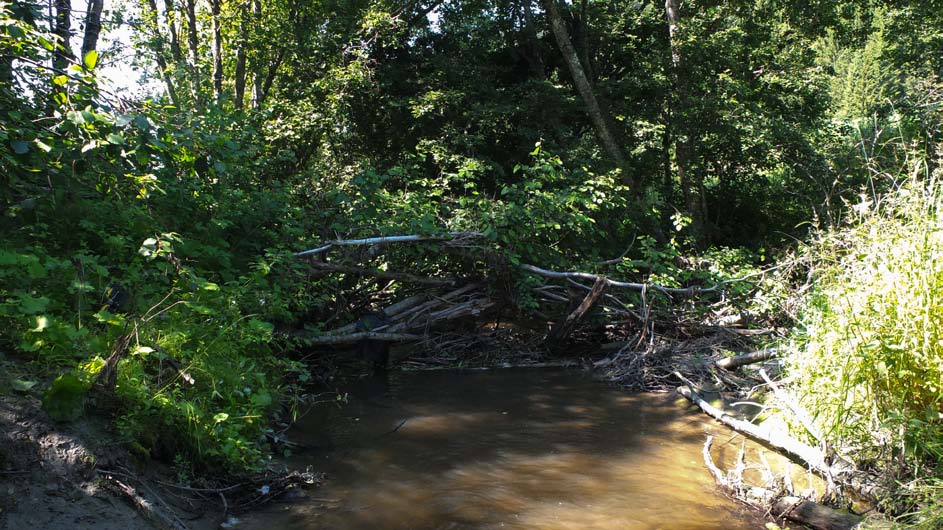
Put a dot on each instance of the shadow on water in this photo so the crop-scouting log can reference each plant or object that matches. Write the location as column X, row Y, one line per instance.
column 535, row 449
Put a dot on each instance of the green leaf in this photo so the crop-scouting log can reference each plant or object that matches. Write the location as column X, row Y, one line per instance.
column 60, row 80
column 220, row 417
column 20, row 147
column 115, row 139
column 91, row 59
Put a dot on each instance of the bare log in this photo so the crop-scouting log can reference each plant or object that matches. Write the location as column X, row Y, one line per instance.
column 814, row 515
column 563, row 329
column 863, row 484
column 364, row 335
column 797, row 411
column 452, row 236
column 150, row 511
column 730, row 363
column 410, row 306
column 384, row 275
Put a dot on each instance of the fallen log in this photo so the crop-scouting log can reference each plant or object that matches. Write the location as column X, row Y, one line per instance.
column 814, row 515
column 864, row 485
column 409, row 307
column 730, row 363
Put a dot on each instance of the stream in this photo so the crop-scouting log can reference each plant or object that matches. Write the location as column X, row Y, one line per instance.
column 543, row 449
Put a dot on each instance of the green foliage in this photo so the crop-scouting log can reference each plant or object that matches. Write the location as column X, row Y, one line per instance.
column 867, row 359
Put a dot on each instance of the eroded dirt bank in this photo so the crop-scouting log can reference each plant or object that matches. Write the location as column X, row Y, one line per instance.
column 50, row 474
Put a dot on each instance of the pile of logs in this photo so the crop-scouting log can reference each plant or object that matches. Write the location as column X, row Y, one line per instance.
column 412, row 318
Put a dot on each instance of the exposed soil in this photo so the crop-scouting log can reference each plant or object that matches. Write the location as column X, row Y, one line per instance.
column 50, row 473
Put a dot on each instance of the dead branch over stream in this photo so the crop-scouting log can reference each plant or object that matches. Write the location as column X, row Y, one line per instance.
column 832, row 467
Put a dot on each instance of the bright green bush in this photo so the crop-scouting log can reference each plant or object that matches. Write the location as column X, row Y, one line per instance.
column 868, row 359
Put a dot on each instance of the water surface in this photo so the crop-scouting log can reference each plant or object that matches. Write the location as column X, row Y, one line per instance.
column 507, row 449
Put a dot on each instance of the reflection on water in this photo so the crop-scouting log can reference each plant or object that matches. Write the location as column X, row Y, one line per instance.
column 512, row 449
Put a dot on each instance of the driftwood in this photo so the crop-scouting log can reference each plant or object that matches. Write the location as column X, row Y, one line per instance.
column 730, row 363
column 840, row 470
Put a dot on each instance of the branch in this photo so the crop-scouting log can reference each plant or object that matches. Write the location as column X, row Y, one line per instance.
column 386, row 240
column 688, row 291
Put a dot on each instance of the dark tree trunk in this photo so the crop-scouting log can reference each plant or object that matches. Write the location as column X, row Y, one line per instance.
column 193, row 43
column 240, row 73
column 257, row 77
column 158, row 50
column 217, row 52
column 270, row 76
column 93, row 26
column 598, row 117
column 63, row 30
column 581, row 41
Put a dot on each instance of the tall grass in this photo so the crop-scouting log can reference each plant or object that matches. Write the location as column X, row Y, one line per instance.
column 867, row 360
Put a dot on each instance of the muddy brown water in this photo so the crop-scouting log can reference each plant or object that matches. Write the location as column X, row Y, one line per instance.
column 507, row 449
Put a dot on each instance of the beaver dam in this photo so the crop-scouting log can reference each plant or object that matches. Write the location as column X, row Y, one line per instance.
column 517, row 448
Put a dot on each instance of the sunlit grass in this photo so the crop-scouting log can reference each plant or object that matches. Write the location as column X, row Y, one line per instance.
column 867, row 360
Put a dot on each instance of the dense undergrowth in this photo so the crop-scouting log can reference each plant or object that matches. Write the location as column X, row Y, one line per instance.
column 867, row 358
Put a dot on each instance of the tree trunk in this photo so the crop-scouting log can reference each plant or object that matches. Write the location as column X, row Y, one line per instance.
column 240, row 74
column 63, row 31
column 593, row 108
column 194, row 48
column 217, row 52
column 257, row 78
column 270, row 77
column 93, row 26
column 158, row 49
column 535, row 61
column 171, row 15
column 683, row 135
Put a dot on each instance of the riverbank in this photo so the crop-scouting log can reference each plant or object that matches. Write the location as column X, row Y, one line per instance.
column 51, row 475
